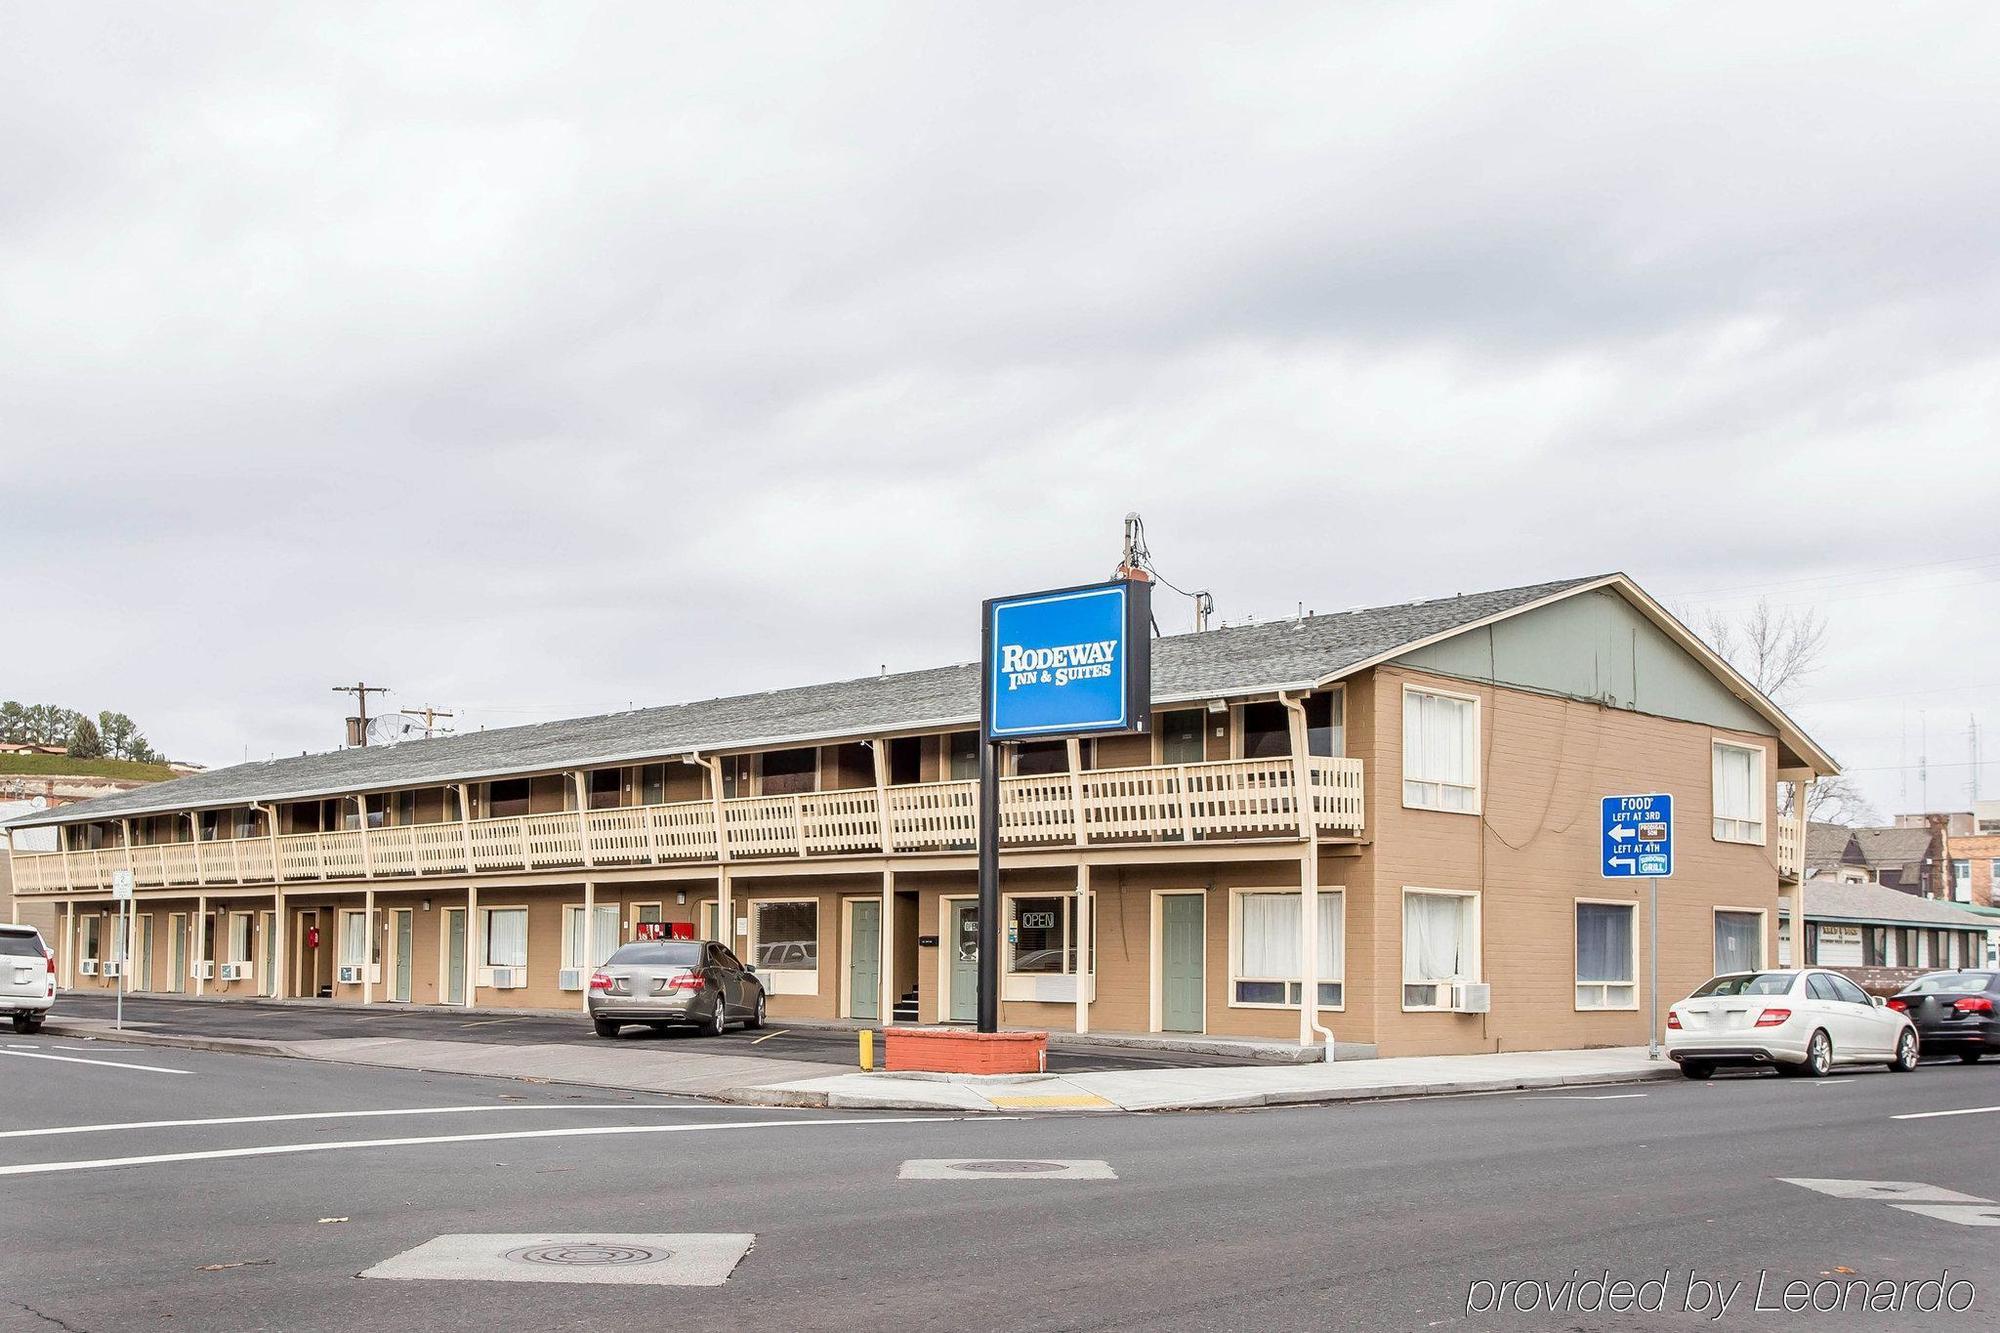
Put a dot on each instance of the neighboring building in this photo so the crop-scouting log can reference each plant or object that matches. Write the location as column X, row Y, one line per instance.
column 23, row 794
column 31, row 747
column 1972, row 854
column 1907, row 859
column 1833, row 853
column 1441, row 764
column 1883, row 937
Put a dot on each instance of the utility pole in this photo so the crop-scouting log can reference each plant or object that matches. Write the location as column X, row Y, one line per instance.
column 358, row 734
column 430, row 717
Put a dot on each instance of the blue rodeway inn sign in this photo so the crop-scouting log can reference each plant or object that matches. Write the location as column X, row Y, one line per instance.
column 1070, row 662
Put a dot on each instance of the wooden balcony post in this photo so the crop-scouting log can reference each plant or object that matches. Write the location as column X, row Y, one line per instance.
column 361, row 825
column 69, row 947
column 879, row 749
column 1295, row 710
column 1075, row 748
column 200, row 958
column 368, row 945
column 125, row 836
column 465, row 828
column 798, row 825
column 587, row 937
column 887, row 1003
column 1186, row 802
column 521, row 832
column 194, row 827
column 583, row 815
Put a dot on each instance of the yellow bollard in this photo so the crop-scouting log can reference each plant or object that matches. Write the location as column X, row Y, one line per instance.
column 867, row 1049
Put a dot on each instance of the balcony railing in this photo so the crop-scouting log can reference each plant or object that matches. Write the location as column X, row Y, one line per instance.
column 1790, row 836
column 1173, row 803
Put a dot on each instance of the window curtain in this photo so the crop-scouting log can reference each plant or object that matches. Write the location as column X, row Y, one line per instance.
column 1434, row 937
column 1270, row 936
column 1733, row 785
column 603, row 936
column 353, row 940
column 507, row 938
column 1437, row 738
column 1736, row 942
column 1603, row 942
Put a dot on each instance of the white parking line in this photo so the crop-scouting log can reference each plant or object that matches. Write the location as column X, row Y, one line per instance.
column 77, row 1060
column 356, row 1115
column 586, row 1131
column 1933, row 1115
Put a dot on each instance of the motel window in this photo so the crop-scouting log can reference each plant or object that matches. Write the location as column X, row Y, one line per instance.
column 738, row 775
column 1041, row 934
column 1440, row 945
column 964, row 751
column 1267, row 732
column 353, row 939
column 211, row 826
column 784, row 937
column 1326, row 724
column 603, row 936
column 1739, row 794
column 239, row 937
column 1181, row 736
column 1606, row 956
column 1041, row 758
column 653, row 784
column 607, row 788
column 1440, row 752
column 1739, row 942
column 507, row 937
column 245, row 823
column 507, row 797
column 90, row 937
column 1961, row 881
column 906, row 760
column 788, row 771
column 1266, row 953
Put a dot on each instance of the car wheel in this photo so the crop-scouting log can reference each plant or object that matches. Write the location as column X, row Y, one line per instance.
column 1819, row 1056
column 27, row 1022
column 604, row 1027
column 1696, row 1069
column 1906, row 1053
column 757, row 1014
column 1970, row 1057
column 718, row 1023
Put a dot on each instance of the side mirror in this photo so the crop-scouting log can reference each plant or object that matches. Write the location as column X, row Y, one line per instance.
column 750, row 968
column 1880, row 1002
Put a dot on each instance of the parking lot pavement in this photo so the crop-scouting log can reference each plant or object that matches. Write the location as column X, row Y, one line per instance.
column 311, row 1022
column 1383, row 1215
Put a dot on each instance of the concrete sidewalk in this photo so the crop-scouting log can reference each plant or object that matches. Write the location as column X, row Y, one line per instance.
column 759, row 1081
column 1191, row 1089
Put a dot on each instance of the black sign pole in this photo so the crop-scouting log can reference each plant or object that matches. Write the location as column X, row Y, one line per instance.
column 989, row 945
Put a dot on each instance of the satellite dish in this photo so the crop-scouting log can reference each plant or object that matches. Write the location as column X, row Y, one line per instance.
column 392, row 728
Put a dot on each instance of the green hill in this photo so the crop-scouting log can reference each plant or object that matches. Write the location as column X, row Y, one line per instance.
column 58, row 765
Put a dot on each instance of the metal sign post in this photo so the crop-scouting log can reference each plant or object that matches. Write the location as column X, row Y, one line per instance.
column 1639, row 844
column 121, row 893
column 1053, row 665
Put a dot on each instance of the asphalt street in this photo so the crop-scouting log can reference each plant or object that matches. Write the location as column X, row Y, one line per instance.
column 298, row 1022
column 1379, row 1216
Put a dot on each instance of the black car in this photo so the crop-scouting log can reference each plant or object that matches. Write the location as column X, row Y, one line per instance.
column 1956, row 1013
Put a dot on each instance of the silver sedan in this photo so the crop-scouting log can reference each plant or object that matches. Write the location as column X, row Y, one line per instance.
column 675, row 983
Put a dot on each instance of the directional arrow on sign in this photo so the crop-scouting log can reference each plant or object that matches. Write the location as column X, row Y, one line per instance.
column 1625, row 861
column 1618, row 833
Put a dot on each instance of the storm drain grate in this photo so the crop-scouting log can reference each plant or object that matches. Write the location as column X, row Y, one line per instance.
column 592, row 1254
column 1004, row 1168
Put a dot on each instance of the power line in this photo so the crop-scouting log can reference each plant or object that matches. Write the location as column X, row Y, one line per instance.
column 360, row 690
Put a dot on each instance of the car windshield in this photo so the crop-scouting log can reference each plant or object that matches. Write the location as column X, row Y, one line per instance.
column 13, row 945
column 1951, row 983
column 650, row 954
column 1746, row 983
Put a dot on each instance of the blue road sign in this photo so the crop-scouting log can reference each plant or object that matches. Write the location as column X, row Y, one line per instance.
column 1638, row 837
column 1069, row 662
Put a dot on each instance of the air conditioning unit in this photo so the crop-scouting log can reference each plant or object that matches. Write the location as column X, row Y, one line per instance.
column 236, row 971
column 110, row 968
column 509, row 978
column 351, row 974
column 1472, row 997
column 203, row 970
column 570, row 978
column 86, row 967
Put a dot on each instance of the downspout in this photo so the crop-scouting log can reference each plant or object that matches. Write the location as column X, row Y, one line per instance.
column 1308, row 881
column 725, row 921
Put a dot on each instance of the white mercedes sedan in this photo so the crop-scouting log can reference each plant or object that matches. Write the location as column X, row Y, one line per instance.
column 1802, row 1021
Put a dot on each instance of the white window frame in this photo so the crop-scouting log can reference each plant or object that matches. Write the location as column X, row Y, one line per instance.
column 757, row 906
column 247, row 922
column 1068, row 900
column 574, row 941
column 1443, row 984
column 1476, row 749
column 1961, row 888
column 1604, row 987
column 1759, row 797
column 353, row 927
column 1763, row 936
column 485, row 954
column 1339, row 976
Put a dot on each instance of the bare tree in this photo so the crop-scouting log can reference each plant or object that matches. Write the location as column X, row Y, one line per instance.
column 1837, row 800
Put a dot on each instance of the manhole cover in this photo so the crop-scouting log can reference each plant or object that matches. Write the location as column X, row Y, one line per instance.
column 588, row 1254
column 1010, row 1168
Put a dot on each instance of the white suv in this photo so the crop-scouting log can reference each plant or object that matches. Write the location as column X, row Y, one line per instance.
column 27, row 976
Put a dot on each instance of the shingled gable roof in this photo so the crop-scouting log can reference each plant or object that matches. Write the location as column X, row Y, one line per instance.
column 1289, row 654
column 1874, row 903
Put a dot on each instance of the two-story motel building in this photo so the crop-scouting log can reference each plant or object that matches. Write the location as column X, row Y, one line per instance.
column 1441, row 761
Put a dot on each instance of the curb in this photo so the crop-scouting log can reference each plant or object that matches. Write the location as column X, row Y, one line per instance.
column 223, row 1045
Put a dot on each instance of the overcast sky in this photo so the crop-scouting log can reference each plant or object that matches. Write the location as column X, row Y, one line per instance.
column 537, row 360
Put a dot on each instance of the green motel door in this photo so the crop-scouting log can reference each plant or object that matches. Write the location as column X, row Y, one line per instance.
column 964, row 946
column 864, row 959
column 1183, row 936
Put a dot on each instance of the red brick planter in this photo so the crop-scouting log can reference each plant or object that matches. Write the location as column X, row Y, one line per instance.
column 961, row 1051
